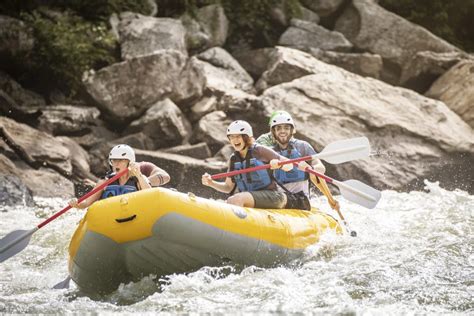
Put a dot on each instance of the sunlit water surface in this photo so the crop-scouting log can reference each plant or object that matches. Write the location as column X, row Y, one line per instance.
column 413, row 255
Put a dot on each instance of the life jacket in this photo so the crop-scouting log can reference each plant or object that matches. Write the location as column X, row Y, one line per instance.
column 294, row 175
column 251, row 181
column 115, row 188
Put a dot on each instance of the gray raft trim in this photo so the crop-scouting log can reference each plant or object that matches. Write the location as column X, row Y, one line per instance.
column 178, row 244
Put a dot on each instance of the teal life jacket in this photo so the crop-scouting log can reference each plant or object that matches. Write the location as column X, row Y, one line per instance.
column 115, row 189
column 294, row 175
column 251, row 181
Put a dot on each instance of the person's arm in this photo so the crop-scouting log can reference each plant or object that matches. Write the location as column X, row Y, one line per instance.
column 266, row 154
column 89, row 201
column 159, row 177
column 225, row 187
column 156, row 176
column 142, row 180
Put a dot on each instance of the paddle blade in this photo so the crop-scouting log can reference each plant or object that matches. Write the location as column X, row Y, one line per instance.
column 14, row 242
column 64, row 284
column 345, row 150
column 359, row 193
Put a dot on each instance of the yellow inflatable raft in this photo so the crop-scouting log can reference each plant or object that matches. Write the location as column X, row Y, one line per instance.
column 161, row 231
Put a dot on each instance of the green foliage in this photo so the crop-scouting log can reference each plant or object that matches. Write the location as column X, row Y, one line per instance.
column 66, row 46
column 450, row 20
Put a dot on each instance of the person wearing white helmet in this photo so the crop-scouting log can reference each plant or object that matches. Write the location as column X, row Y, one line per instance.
column 281, row 139
column 257, row 188
column 120, row 157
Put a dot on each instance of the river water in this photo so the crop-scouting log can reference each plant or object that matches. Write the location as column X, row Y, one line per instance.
column 414, row 254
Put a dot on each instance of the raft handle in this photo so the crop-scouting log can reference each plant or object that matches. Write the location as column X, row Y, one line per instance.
column 127, row 219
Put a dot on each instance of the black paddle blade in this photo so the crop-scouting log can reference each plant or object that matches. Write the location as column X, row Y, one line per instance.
column 14, row 242
column 64, row 284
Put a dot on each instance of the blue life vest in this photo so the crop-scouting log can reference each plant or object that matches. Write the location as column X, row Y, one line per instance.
column 295, row 175
column 252, row 181
column 115, row 188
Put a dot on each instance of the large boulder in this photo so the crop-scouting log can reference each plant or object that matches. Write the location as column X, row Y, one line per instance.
column 287, row 64
column 13, row 190
column 67, row 119
column 365, row 64
column 214, row 22
column 124, row 91
column 304, row 35
column 254, row 61
column 198, row 151
column 144, row 35
column 425, row 67
column 456, row 89
column 323, row 7
column 212, row 129
column 164, row 123
column 373, row 29
column 79, row 160
column 415, row 137
column 221, row 71
column 36, row 148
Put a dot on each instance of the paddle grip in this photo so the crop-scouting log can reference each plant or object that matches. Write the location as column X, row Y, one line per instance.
column 95, row 190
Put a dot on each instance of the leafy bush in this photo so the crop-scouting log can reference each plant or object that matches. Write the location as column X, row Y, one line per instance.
column 66, row 46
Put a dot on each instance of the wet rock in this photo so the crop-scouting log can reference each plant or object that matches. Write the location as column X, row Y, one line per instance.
column 144, row 35
column 305, row 35
column 456, row 89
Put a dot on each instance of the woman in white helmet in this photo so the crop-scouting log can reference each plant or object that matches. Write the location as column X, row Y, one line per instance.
column 256, row 189
column 120, row 157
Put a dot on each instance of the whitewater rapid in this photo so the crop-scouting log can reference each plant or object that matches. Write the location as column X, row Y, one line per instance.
column 414, row 254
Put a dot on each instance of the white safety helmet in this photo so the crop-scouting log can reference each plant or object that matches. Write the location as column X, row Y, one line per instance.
column 281, row 117
column 122, row 151
column 240, row 127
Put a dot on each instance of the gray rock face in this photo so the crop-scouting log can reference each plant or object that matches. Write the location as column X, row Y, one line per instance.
column 323, row 7
column 254, row 61
column 185, row 172
column 196, row 37
column 366, row 65
column 164, row 123
column 15, row 37
column 215, row 23
column 12, row 189
column 47, row 183
column 305, row 35
column 35, row 147
column 198, row 151
column 125, row 90
column 222, row 71
column 144, row 35
column 22, row 97
column 79, row 160
column 373, row 29
column 212, row 129
column 334, row 104
column 67, row 119
column 287, row 64
column 425, row 67
column 456, row 89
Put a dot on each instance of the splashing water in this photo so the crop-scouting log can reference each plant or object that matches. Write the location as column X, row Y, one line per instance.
column 413, row 255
